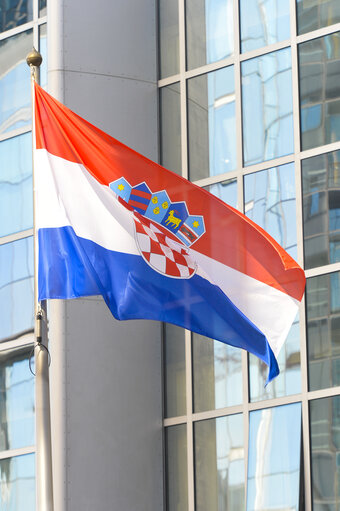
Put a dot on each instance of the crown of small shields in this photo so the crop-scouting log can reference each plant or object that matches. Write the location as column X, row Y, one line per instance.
column 157, row 206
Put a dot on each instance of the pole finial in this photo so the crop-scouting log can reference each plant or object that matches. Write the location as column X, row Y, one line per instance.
column 34, row 58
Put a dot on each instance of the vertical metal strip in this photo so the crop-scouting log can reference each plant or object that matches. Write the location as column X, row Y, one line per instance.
column 183, row 88
column 299, row 235
column 189, row 410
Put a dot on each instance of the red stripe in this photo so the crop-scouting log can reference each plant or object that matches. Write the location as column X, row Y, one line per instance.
column 138, row 205
column 230, row 237
column 140, row 193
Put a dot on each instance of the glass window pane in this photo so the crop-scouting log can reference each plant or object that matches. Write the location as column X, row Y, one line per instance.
column 323, row 330
column 14, row 13
column 263, row 22
column 16, row 196
column 168, row 38
column 274, row 458
column 16, row 399
column 219, row 464
column 176, row 468
column 325, row 447
column 170, row 109
column 317, row 14
column 15, row 82
column 321, row 209
column 16, row 288
column 319, row 69
column 42, row 8
column 269, row 197
column 209, row 31
column 217, row 374
column 43, row 51
column 226, row 191
column 17, row 483
column 211, row 122
column 289, row 380
column 267, row 110
column 174, row 371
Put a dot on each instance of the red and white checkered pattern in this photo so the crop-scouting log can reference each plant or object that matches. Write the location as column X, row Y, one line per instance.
column 161, row 252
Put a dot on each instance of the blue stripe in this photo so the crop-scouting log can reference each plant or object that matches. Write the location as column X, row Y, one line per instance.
column 138, row 198
column 70, row 267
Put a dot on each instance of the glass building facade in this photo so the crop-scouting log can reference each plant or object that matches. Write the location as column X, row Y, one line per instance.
column 22, row 26
column 250, row 110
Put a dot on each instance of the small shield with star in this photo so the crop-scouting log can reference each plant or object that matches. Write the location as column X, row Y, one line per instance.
column 122, row 188
column 191, row 230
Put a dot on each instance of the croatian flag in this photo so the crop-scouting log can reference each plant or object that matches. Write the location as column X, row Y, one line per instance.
column 111, row 222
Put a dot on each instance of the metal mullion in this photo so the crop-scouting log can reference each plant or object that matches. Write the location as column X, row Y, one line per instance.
column 268, row 164
column 11, row 453
column 174, row 421
column 316, row 151
column 240, row 206
column 322, row 393
column 15, row 133
column 320, row 32
column 300, row 248
column 207, row 68
column 16, row 236
column 220, row 178
column 259, row 52
column 16, row 30
column 25, row 340
column 183, row 97
column 322, row 270
column 278, row 401
column 164, row 82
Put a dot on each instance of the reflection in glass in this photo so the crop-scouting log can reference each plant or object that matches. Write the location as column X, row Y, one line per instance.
column 217, row 374
column 325, row 447
column 289, row 380
column 16, row 209
column 226, row 191
column 42, row 8
column 14, row 13
column 219, row 464
column 168, row 38
column 274, row 458
column 17, row 483
column 263, row 22
column 269, row 197
column 176, row 468
column 321, row 209
column 170, row 109
column 323, row 330
column 319, row 69
column 317, row 14
column 15, row 88
column 267, row 110
column 209, row 31
column 16, row 288
column 43, row 51
column 211, row 121
column 16, row 399
column 174, row 370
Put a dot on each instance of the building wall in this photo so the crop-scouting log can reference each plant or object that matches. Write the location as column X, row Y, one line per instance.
column 106, row 375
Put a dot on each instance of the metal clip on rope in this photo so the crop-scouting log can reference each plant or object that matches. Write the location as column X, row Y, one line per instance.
column 39, row 317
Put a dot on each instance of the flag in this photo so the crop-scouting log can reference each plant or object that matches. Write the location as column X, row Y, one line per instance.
column 111, row 222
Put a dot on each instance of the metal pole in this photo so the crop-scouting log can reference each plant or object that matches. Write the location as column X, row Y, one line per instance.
column 44, row 482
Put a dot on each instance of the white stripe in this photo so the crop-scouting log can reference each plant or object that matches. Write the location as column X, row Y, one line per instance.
column 271, row 310
column 67, row 195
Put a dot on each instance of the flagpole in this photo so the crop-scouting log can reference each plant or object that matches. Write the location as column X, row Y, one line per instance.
column 44, row 482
